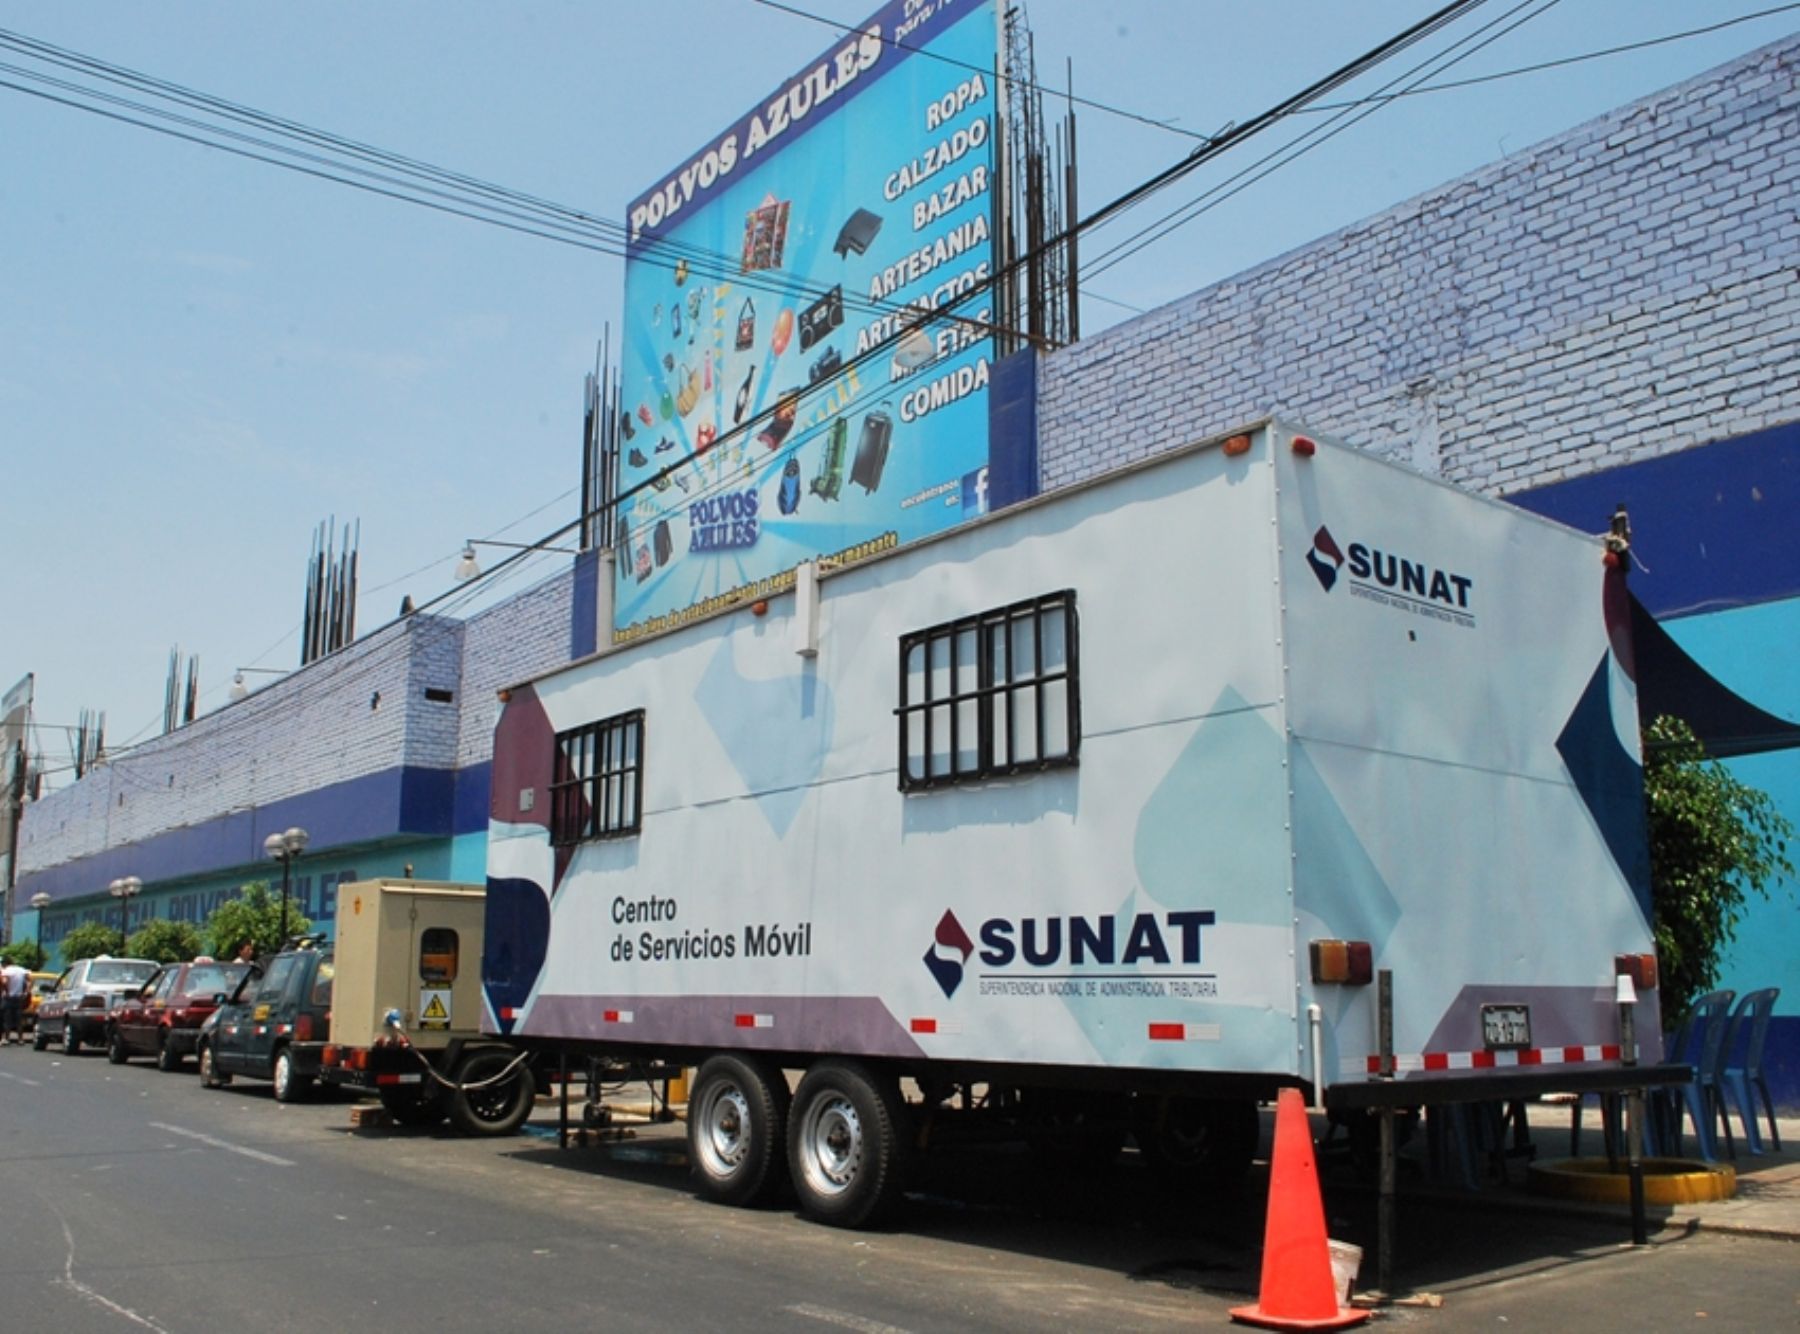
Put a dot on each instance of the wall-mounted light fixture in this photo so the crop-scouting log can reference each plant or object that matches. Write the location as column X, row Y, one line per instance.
column 241, row 690
column 468, row 567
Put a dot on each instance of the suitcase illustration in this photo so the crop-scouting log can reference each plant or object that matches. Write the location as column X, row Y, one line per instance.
column 830, row 478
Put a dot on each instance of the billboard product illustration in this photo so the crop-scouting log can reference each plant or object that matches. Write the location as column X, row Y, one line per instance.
column 857, row 233
column 830, row 478
column 765, row 236
column 770, row 278
column 872, row 451
column 819, row 319
column 787, row 407
column 788, row 498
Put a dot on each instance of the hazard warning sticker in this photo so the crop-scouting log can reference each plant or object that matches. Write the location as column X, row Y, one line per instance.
column 434, row 1008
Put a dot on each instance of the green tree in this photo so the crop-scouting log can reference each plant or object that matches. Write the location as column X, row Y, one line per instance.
column 89, row 939
column 254, row 915
column 165, row 941
column 1712, row 841
column 27, row 953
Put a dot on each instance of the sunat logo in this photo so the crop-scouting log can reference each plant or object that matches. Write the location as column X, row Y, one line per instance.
column 951, row 941
column 1325, row 558
column 1393, row 580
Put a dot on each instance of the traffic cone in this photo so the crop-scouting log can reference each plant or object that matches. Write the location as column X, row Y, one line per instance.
column 1298, row 1291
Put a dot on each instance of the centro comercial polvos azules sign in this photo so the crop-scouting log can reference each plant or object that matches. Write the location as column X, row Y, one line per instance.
column 823, row 224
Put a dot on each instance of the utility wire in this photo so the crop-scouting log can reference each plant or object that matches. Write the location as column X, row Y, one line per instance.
column 1311, row 139
column 1201, row 154
column 1066, row 96
column 1454, row 84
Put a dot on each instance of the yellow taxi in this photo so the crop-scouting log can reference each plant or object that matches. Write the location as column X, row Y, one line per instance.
column 42, row 984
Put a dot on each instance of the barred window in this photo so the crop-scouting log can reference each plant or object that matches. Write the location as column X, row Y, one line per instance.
column 992, row 694
column 598, row 788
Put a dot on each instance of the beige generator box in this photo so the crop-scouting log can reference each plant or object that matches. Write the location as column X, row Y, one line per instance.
column 412, row 946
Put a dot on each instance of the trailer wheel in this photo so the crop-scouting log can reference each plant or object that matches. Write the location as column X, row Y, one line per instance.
column 845, row 1145
column 737, row 1130
column 1189, row 1140
column 409, row 1106
column 498, row 1108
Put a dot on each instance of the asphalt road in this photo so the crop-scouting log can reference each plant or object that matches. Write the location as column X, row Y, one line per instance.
column 131, row 1200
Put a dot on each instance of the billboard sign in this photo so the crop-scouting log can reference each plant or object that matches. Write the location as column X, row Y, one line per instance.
column 781, row 399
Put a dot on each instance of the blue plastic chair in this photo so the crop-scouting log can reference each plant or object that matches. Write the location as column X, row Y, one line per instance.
column 1700, row 1045
column 1740, row 1082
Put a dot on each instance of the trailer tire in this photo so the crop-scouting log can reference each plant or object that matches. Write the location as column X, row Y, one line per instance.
column 409, row 1106
column 846, row 1145
column 1199, row 1140
column 737, row 1130
column 497, row 1109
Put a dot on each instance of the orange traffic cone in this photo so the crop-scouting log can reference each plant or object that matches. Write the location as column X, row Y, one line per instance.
column 1298, row 1291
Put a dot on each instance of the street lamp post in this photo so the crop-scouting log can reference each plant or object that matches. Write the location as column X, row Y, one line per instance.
column 284, row 848
column 40, row 901
column 124, row 889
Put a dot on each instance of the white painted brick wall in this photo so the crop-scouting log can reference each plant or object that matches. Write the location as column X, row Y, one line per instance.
column 1627, row 290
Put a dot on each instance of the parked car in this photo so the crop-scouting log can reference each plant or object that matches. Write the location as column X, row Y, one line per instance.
column 42, row 984
column 163, row 1017
column 273, row 1026
column 78, row 1010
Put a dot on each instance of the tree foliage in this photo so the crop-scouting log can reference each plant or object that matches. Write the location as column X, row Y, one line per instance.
column 1713, row 840
column 89, row 939
column 254, row 915
column 165, row 941
column 27, row 953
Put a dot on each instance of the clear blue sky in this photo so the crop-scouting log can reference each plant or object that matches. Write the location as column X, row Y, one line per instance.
column 204, row 357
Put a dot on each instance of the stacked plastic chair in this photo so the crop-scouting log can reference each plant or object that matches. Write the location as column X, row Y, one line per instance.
column 1740, row 1082
column 1700, row 1044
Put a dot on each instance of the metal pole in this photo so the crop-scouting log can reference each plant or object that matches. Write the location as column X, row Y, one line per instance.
column 1384, row 1218
column 1634, row 1102
column 286, row 862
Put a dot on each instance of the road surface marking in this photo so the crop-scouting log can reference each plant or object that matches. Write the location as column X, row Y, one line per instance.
column 845, row 1320
column 21, row 1078
column 69, row 1280
column 257, row 1154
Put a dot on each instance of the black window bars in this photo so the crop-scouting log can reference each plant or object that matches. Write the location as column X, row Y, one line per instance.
column 992, row 694
column 598, row 790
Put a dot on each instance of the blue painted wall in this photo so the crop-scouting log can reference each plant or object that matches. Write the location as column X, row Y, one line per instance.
column 1719, row 555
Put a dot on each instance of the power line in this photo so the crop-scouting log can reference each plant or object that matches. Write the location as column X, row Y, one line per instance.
column 1627, row 48
column 1067, row 96
column 1311, row 139
column 1131, row 198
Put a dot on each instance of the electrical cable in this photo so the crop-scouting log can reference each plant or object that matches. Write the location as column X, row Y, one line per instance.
column 1305, row 143
column 964, row 64
column 1192, row 161
column 1455, row 84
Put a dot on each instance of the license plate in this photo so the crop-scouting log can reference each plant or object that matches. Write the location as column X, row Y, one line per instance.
column 1506, row 1027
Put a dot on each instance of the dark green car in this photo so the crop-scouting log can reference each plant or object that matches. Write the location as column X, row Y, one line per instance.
column 274, row 1026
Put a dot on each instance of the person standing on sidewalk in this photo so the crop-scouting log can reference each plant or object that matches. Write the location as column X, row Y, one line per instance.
column 15, row 985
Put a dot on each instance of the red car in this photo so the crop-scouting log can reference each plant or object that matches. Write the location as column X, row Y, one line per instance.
column 163, row 1018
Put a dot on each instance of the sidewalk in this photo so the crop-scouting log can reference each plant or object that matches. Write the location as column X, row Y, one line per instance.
column 1767, row 1202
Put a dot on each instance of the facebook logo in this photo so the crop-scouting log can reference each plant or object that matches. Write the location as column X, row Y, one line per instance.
column 975, row 493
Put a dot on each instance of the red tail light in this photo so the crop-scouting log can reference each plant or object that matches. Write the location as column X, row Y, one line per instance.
column 303, row 1028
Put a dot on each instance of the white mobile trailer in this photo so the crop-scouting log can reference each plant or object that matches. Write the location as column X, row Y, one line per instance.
column 1061, row 802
